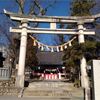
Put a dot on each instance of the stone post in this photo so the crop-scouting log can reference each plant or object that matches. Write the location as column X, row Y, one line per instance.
column 22, row 55
column 52, row 25
column 83, row 64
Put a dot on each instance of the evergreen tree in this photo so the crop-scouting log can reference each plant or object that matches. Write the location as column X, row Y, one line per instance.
column 82, row 7
column 77, row 51
column 31, row 58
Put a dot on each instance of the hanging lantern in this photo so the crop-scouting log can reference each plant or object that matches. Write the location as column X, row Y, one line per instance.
column 65, row 46
column 34, row 43
column 57, row 49
column 70, row 44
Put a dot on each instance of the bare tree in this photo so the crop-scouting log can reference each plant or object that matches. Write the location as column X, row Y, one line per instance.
column 13, row 40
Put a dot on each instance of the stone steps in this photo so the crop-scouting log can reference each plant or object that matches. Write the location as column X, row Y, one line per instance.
column 59, row 93
column 53, row 90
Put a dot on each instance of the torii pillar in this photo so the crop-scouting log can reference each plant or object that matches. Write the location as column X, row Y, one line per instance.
column 83, row 64
column 22, row 55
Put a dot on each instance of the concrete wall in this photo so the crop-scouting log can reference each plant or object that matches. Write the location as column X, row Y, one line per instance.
column 96, row 79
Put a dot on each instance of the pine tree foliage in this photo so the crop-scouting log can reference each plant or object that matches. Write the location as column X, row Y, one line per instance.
column 74, row 53
column 82, row 7
column 31, row 58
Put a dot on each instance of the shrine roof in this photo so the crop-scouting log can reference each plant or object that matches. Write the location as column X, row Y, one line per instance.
column 50, row 58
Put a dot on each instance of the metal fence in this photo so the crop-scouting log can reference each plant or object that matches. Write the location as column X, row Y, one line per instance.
column 4, row 73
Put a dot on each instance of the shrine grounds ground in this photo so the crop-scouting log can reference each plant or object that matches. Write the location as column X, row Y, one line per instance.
column 30, row 98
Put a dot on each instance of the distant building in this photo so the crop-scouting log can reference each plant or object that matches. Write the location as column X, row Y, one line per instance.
column 50, row 65
column 50, row 58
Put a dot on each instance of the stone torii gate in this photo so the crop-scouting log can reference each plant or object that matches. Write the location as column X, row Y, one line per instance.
column 53, row 20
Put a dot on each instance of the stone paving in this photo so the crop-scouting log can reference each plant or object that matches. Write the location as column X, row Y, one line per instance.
column 33, row 98
column 57, row 90
column 48, row 90
column 25, row 98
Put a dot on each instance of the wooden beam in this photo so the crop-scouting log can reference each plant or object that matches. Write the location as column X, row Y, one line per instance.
column 52, row 31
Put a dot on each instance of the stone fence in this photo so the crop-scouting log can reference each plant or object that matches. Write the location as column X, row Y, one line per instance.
column 7, row 82
column 5, row 73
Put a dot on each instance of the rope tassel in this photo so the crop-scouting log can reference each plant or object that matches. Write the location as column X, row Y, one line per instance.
column 39, row 45
column 70, row 44
column 47, row 48
column 42, row 48
column 61, row 48
column 34, row 43
column 57, row 49
column 52, row 50
column 65, row 46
